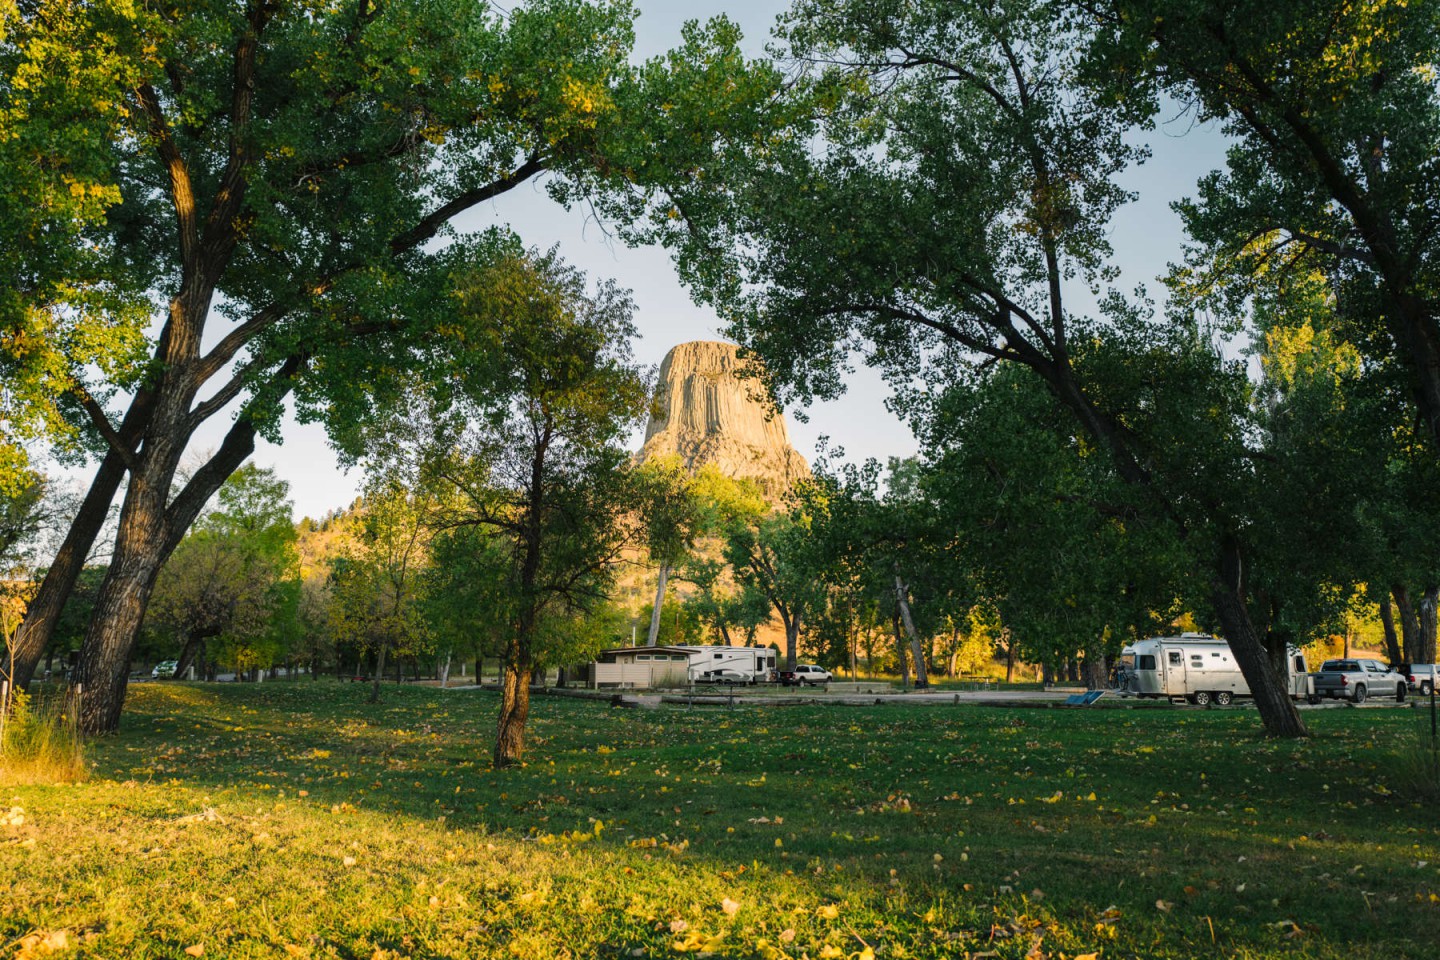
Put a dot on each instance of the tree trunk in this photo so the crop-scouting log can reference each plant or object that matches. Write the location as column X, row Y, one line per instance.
column 900, row 647
column 659, row 601
column 922, row 681
column 1387, row 620
column 43, row 611
column 1009, row 655
column 189, row 654
column 1427, row 625
column 1409, row 624
column 514, row 711
column 792, row 641
column 445, row 672
column 379, row 672
column 1272, row 699
column 120, row 608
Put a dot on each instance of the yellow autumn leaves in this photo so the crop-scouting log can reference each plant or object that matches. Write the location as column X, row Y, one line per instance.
column 695, row 940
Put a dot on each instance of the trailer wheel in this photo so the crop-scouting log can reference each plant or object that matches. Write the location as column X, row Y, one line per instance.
column 1200, row 698
column 1399, row 693
column 1360, row 693
column 1312, row 698
column 1223, row 698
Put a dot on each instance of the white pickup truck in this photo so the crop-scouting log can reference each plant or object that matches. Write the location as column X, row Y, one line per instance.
column 1355, row 680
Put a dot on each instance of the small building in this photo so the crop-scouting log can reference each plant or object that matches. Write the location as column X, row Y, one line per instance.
column 641, row 667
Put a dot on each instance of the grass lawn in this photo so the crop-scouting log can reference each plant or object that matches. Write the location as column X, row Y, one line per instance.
column 291, row 819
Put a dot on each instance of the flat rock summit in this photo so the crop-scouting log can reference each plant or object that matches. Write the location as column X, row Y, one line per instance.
column 707, row 414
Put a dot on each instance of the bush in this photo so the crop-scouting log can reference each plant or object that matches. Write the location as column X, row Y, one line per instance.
column 39, row 742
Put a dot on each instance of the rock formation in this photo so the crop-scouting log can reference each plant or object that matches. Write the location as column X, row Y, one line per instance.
column 707, row 414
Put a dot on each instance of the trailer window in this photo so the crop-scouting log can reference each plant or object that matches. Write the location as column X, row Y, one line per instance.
column 1196, row 660
column 1175, row 657
column 1300, row 664
column 1147, row 661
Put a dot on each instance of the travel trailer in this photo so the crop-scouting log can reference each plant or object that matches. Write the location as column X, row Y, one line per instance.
column 731, row 664
column 1197, row 667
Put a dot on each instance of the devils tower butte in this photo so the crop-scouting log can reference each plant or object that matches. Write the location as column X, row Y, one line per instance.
column 706, row 415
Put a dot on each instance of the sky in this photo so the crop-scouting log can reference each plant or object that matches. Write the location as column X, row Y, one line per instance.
column 1146, row 236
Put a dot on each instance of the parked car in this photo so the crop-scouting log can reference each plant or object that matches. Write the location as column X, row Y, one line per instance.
column 1355, row 680
column 1421, row 678
column 805, row 674
column 164, row 670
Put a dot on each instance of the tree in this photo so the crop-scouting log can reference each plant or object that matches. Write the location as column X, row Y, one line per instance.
column 234, row 576
column 524, row 439
column 271, row 177
column 377, row 600
column 767, row 556
column 945, row 189
column 1335, row 124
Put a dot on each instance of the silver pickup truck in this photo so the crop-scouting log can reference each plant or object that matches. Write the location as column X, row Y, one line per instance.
column 1355, row 680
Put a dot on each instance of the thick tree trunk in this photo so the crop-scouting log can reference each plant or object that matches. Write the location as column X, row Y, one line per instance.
column 1272, row 698
column 43, row 612
column 514, row 712
column 1409, row 624
column 792, row 641
column 921, row 679
column 1392, row 641
column 659, row 602
column 1426, row 651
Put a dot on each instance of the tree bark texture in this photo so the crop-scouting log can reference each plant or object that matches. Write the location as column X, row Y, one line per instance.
column 514, row 712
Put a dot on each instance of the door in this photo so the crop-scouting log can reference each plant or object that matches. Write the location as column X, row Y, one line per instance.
column 1175, row 682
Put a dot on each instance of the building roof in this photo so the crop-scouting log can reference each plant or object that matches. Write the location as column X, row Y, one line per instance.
column 615, row 651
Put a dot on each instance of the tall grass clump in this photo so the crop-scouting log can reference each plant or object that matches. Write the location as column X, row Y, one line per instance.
column 39, row 741
column 1415, row 771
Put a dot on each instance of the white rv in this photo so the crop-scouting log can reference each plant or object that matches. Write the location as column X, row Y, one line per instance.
column 731, row 664
column 1198, row 667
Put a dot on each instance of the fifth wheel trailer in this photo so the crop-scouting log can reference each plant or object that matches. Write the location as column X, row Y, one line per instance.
column 1199, row 668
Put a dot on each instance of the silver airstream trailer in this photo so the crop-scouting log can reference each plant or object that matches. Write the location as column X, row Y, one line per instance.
column 1197, row 667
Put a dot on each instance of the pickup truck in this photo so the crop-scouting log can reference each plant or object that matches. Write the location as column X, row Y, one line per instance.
column 803, row 674
column 1423, row 678
column 1355, row 680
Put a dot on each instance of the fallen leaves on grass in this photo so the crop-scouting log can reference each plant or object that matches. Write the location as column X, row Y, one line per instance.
column 42, row 943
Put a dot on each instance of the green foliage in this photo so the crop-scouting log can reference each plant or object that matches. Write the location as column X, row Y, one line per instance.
column 376, row 591
column 235, row 578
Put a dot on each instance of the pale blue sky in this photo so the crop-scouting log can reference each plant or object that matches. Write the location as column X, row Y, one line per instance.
column 1146, row 236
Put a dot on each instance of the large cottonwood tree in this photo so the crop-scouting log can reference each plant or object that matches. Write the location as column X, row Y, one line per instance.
column 255, row 198
column 937, row 206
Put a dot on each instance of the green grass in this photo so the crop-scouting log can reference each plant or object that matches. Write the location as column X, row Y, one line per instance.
column 290, row 819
